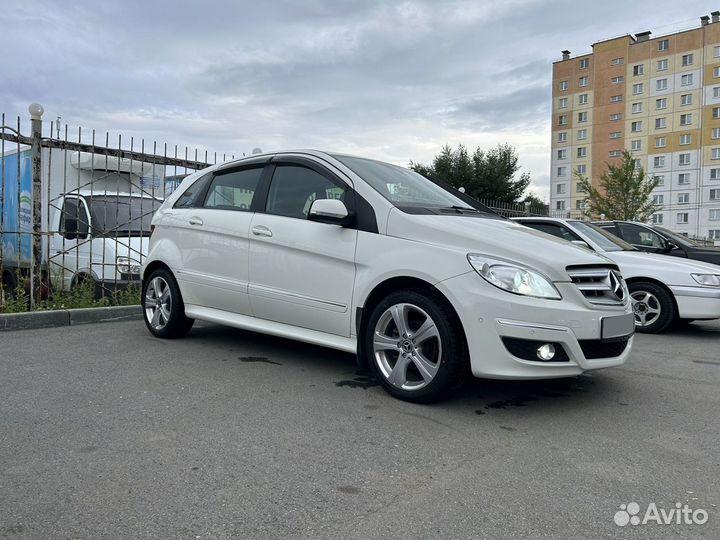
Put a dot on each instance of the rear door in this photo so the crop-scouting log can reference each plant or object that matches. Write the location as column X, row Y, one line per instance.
column 302, row 272
column 212, row 234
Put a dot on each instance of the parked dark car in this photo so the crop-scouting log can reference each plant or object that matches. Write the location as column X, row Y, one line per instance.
column 654, row 239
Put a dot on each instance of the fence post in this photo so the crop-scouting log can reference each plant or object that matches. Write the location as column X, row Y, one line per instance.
column 36, row 111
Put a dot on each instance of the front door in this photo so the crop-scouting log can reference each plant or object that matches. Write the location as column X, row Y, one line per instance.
column 302, row 272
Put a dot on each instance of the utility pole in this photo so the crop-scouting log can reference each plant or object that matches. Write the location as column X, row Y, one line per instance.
column 36, row 111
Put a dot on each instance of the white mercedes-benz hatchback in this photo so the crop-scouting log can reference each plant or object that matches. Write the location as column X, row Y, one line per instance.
column 423, row 283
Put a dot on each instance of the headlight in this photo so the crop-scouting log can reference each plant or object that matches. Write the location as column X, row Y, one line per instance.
column 513, row 278
column 127, row 266
column 708, row 280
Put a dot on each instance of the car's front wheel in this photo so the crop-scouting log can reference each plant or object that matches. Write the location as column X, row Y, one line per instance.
column 163, row 308
column 415, row 346
column 653, row 307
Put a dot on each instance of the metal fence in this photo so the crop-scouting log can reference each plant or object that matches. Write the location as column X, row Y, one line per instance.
column 76, row 205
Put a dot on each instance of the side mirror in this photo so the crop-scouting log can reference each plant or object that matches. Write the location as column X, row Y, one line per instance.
column 582, row 243
column 331, row 211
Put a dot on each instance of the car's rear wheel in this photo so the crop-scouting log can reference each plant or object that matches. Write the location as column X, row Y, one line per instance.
column 163, row 307
column 415, row 346
column 653, row 307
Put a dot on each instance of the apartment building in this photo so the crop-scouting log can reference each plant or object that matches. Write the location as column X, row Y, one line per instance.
column 658, row 97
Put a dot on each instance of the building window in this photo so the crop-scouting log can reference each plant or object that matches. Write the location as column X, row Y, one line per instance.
column 657, row 219
column 583, row 99
column 661, row 84
column 686, row 80
column 635, row 145
column 618, row 61
column 562, row 136
column 583, row 81
column 716, row 112
column 716, row 71
column 716, row 91
column 714, row 194
column 662, row 65
column 685, row 119
column 560, row 189
column 658, row 199
column 661, row 179
column 563, row 85
column 683, row 198
column 716, row 153
column 614, row 153
column 715, row 133
column 581, row 169
column 659, row 162
column 687, row 60
column 615, row 117
column 663, row 44
column 660, row 142
column 559, row 205
column 616, row 99
column 562, row 154
column 636, row 164
column 715, row 215
column 579, row 205
column 637, row 88
column 714, row 234
column 661, row 123
column 683, row 179
column 685, row 139
column 562, row 103
column 582, row 116
column 684, row 159
column 562, row 119
column 637, row 107
column 561, row 171
column 636, row 126
column 617, row 80
column 615, row 135
column 682, row 218
column 582, row 134
column 661, row 103
column 716, row 52
column 638, row 70
column 685, row 99
column 714, row 174
column 582, row 151
column 584, row 63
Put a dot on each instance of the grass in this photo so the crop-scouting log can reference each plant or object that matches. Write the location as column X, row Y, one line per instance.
column 81, row 296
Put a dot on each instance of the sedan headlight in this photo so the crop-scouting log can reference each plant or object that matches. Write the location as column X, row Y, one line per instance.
column 707, row 280
column 126, row 265
column 513, row 277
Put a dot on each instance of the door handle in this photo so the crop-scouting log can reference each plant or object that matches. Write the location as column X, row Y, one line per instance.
column 195, row 221
column 261, row 230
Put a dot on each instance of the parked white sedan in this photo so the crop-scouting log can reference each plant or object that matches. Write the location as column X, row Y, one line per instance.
column 664, row 290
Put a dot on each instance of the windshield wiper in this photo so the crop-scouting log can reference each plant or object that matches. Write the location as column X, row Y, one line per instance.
column 461, row 209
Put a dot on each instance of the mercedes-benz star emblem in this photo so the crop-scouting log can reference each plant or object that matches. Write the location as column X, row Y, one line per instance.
column 615, row 285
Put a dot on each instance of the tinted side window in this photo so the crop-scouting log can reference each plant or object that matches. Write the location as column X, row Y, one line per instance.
column 74, row 221
column 640, row 236
column 233, row 190
column 294, row 188
column 555, row 230
column 190, row 198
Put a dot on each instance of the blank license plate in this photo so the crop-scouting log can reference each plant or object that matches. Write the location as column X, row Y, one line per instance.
column 620, row 326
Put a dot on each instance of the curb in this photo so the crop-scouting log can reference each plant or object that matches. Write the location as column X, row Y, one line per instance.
column 68, row 317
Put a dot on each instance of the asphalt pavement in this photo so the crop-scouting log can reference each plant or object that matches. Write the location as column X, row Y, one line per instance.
column 107, row 432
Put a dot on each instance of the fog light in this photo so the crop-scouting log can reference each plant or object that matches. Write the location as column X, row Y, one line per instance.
column 546, row 352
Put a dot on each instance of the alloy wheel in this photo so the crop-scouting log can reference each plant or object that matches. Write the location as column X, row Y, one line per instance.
column 158, row 303
column 646, row 307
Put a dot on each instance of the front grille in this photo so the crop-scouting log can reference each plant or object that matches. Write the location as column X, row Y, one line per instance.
column 527, row 349
column 595, row 348
column 599, row 285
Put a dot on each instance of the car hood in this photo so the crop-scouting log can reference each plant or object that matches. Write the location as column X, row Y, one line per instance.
column 669, row 270
column 495, row 237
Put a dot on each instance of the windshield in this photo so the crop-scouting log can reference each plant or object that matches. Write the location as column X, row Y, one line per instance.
column 603, row 239
column 401, row 186
column 125, row 216
column 679, row 239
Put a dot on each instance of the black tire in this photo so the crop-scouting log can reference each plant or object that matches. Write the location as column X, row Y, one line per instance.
column 442, row 352
column 171, row 322
column 653, row 297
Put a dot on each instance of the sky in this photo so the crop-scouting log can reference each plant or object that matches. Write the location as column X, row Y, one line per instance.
column 389, row 80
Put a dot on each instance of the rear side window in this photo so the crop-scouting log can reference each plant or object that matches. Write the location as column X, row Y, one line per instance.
column 555, row 230
column 233, row 190
column 190, row 197
column 640, row 236
column 294, row 188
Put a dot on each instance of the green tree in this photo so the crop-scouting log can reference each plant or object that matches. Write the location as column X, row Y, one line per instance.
column 536, row 205
column 624, row 192
column 488, row 174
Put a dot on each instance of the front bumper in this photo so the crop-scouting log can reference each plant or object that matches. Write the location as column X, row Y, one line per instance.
column 697, row 302
column 489, row 314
